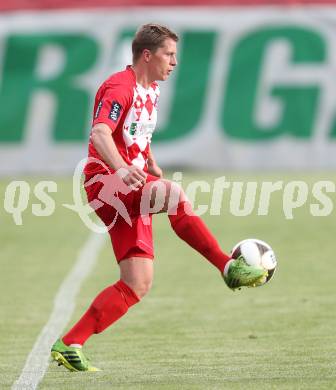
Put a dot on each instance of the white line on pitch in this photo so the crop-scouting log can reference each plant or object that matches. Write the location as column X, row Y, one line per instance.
column 38, row 359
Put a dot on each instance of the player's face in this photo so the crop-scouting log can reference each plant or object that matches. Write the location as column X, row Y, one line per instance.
column 163, row 60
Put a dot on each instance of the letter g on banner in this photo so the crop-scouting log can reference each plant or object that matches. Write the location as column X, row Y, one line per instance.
column 298, row 103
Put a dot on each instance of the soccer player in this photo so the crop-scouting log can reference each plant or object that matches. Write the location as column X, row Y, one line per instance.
column 121, row 161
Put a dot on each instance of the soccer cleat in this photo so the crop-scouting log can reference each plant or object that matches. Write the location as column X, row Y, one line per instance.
column 239, row 274
column 70, row 357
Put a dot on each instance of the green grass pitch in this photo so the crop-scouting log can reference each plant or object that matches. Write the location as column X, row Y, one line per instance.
column 190, row 332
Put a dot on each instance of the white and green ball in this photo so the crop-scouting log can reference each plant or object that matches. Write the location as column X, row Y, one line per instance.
column 256, row 253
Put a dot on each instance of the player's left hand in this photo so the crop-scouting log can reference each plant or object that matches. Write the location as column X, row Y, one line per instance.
column 155, row 170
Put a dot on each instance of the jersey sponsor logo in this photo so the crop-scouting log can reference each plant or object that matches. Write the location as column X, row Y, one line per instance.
column 115, row 111
column 99, row 107
column 139, row 129
column 133, row 128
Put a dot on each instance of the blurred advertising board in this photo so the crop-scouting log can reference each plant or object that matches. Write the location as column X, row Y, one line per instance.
column 254, row 88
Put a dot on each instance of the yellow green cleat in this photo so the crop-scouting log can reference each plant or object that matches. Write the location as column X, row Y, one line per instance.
column 70, row 357
column 238, row 273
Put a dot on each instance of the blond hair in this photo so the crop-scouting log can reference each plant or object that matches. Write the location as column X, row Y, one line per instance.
column 150, row 36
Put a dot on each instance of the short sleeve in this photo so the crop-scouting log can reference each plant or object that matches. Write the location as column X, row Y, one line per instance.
column 113, row 101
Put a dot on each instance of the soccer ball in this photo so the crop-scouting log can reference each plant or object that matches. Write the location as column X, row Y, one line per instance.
column 258, row 254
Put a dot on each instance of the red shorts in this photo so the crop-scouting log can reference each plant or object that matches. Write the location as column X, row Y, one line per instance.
column 128, row 240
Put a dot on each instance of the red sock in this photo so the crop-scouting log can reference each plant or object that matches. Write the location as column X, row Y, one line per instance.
column 111, row 304
column 190, row 228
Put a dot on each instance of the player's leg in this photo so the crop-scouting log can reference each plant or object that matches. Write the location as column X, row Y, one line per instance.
column 133, row 248
column 137, row 273
column 114, row 301
column 110, row 305
column 189, row 227
column 166, row 196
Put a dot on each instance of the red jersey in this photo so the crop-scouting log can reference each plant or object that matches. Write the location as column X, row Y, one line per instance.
column 130, row 111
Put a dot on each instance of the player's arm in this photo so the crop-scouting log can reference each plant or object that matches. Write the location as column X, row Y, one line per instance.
column 106, row 147
column 153, row 167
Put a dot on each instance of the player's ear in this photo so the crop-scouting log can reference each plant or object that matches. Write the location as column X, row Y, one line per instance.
column 146, row 55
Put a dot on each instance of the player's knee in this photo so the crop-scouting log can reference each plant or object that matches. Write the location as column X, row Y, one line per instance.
column 175, row 189
column 141, row 287
column 175, row 195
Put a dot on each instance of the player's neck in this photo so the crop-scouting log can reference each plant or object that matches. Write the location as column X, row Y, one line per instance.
column 142, row 76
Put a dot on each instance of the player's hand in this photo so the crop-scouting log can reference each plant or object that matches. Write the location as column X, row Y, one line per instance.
column 133, row 176
column 155, row 170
